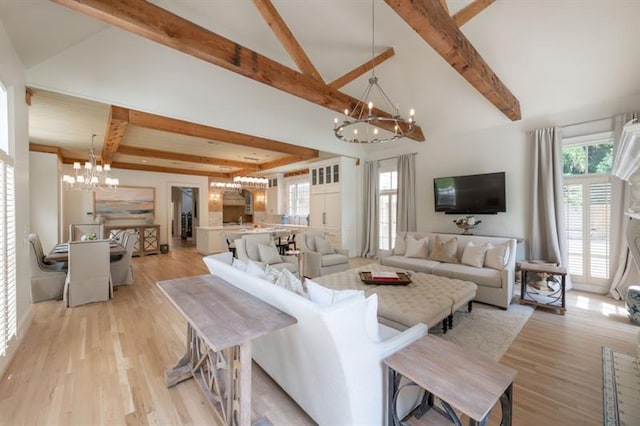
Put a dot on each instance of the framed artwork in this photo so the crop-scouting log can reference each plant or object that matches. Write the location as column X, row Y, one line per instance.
column 127, row 202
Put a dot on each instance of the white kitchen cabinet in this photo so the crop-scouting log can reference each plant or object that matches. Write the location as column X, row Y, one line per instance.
column 331, row 195
column 276, row 200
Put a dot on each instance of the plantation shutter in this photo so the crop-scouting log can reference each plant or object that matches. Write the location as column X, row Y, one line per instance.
column 599, row 214
column 574, row 227
column 8, row 322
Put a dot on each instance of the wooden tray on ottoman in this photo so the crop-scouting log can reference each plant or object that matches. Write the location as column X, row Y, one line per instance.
column 403, row 279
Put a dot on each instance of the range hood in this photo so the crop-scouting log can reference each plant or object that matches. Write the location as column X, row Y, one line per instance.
column 233, row 199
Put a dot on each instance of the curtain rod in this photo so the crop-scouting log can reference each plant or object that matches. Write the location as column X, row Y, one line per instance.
column 529, row 132
column 391, row 158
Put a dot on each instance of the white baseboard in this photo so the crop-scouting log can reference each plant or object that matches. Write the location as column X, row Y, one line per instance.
column 14, row 344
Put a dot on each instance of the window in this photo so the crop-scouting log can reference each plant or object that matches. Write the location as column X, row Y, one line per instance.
column 7, row 232
column 298, row 198
column 388, row 203
column 587, row 199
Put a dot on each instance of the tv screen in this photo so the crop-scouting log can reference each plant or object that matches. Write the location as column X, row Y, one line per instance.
column 472, row 194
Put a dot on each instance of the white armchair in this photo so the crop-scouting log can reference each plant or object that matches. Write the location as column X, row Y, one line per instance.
column 121, row 273
column 247, row 248
column 320, row 261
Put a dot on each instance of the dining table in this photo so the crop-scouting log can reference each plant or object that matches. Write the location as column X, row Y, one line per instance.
column 60, row 253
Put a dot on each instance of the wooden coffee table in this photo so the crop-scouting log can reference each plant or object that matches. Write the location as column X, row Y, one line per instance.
column 468, row 382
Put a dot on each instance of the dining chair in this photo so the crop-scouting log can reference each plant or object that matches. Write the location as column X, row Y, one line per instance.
column 47, row 282
column 121, row 272
column 88, row 279
column 77, row 230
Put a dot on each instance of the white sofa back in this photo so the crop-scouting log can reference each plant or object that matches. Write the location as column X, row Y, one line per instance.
column 326, row 362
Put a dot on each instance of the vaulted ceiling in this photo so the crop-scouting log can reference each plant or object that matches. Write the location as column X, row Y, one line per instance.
column 156, row 86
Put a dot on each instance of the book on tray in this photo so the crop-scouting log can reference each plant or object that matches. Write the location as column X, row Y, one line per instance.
column 384, row 276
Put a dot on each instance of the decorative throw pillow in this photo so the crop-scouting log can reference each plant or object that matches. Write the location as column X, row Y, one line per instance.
column 239, row 264
column 401, row 247
column 326, row 296
column 289, row 282
column 445, row 251
column 271, row 274
column 474, row 254
column 371, row 318
column 269, row 254
column 497, row 257
column 416, row 248
column 323, row 245
column 254, row 268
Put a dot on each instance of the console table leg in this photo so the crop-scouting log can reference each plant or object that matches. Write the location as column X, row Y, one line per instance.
column 181, row 370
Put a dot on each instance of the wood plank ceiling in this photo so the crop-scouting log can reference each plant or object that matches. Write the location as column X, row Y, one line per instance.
column 429, row 18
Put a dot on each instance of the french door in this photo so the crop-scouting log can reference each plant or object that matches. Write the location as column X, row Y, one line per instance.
column 587, row 218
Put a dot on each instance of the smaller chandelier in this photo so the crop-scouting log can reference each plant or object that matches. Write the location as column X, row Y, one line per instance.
column 92, row 176
column 241, row 182
column 249, row 182
column 364, row 124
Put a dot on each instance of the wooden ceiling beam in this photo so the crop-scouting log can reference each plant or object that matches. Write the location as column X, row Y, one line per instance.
column 172, row 125
column 297, row 173
column 159, row 169
column 358, row 71
column 286, row 38
column 280, row 162
column 436, row 27
column 444, row 5
column 116, row 126
column 175, row 156
column 467, row 13
column 154, row 23
column 48, row 149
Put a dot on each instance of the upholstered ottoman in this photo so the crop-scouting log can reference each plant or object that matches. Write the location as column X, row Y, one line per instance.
column 633, row 303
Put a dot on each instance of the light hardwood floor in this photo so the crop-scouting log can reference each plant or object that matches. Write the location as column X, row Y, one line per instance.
column 103, row 363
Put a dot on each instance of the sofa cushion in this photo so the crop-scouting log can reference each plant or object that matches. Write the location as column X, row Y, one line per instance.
column 289, row 282
column 251, row 243
column 445, row 251
column 323, row 245
column 334, row 259
column 497, row 257
column 416, row 247
column 400, row 247
column 474, row 254
column 326, row 296
column 412, row 264
column 269, row 253
column 291, row 267
column 255, row 268
column 239, row 264
column 482, row 276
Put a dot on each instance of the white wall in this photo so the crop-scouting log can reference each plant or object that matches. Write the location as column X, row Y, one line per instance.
column 77, row 204
column 505, row 148
column 44, row 196
column 12, row 77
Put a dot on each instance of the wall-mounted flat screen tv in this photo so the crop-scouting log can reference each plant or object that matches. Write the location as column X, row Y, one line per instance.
column 471, row 194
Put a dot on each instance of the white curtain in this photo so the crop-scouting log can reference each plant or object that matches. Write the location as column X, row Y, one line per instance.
column 370, row 246
column 548, row 238
column 406, row 213
column 621, row 261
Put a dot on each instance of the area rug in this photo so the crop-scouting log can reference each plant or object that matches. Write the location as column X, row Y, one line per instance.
column 486, row 329
column 621, row 388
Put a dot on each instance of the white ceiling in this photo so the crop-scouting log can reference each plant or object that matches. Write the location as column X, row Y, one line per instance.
column 554, row 56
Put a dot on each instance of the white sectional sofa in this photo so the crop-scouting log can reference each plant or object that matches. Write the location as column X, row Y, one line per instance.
column 329, row 362
column 495, row 284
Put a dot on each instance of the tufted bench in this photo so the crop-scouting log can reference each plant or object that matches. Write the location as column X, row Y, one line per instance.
column 429, row 299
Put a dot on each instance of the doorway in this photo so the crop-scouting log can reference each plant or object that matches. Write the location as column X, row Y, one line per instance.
column 184, row 218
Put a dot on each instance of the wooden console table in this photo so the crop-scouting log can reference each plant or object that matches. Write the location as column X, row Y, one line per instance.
column 222, row 320
column 468, row 382
column 148, row 237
